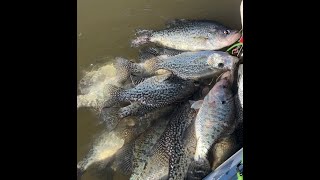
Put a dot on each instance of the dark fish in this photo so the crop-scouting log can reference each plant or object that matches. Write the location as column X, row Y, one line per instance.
column 152, row 93
column 190, row 35
column 131, row 158
column 163, row 153
column 183, row 166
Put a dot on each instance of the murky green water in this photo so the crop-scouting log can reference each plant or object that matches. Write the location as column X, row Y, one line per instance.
column 105, row 28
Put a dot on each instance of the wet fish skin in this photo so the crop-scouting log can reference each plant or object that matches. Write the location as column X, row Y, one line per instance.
column 154, row 92
column 215, row 118
column 197, row 65
column 190, row 35
column 186, row 65
column 163, row 152
column 143, row 146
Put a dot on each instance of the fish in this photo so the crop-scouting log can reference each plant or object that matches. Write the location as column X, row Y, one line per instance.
column 131, row 159
column 215, row 118
column 92, row 84
column 152, row 93
column 189, row 35
column 109, row 142
column 187, row 65
column 157, row 166
column 182, row 165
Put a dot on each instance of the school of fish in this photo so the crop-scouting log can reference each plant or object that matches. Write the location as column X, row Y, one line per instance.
column 176, row 111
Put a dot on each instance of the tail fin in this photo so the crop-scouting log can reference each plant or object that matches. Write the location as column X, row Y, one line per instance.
column 114, row 93
column 143, row 37
column 110, row 117
column 123, row 69
column 199, row 169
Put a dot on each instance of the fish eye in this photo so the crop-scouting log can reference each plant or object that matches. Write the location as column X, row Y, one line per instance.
column 226, row 32
column 220, row 65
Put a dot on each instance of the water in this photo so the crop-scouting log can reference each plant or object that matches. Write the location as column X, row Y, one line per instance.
column 105, row 28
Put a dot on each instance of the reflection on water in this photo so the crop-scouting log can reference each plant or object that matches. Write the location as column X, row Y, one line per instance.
column 105, row 28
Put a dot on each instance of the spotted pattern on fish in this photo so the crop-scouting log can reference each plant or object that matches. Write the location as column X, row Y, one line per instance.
column 190, row 35
column 163, row 152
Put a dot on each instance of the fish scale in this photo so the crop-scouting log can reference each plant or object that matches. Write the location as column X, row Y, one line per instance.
column 158, row 163
column 190, row 35
column 216, row 115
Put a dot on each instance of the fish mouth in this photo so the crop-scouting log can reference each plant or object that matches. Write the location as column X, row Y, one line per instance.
column 234, row 36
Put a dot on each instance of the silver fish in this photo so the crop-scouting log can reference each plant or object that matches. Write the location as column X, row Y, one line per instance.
column 215, row 118
column 190, row 35
column 187, row 65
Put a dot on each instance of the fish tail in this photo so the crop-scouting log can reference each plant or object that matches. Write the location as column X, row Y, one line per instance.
column 125, row 69
column 115, row 95
column 110, row 117
column 143, row 37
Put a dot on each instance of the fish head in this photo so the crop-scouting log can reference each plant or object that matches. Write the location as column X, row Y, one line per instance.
column 223, row 37
column 221, row 91
column 222, row 60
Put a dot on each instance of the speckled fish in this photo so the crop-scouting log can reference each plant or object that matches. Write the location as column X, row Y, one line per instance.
column 131, row 158
column 215, row 118
column 182, row 165
column 190, row 35
column 187, row 65
column 157, row 166
column 152, row 93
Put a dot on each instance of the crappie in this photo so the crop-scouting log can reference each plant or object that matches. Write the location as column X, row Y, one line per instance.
column 182, row 165
column 190, row 35
column 152, row 93
column 132, row 158
column 187, row 65
column 215, row 118
column 163, row 152
column 108, row 143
